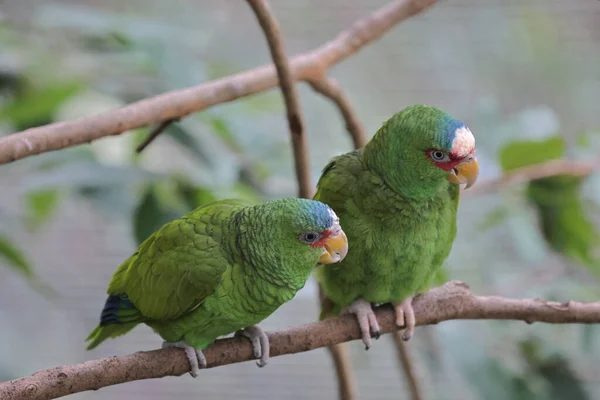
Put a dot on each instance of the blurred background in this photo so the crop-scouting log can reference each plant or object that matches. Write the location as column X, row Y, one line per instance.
column 523, row 75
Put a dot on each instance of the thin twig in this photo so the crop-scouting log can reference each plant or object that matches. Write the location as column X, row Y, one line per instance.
column 407, row 363
column 343, row 371
column 330, row 88
column 533, row 172
column 179, row 103
column 155, row 132
column 449, row 302
column 289, row 91
column 341, row 358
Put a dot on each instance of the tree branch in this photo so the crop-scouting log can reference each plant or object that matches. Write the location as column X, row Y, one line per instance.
column 407, row 363
column 270, row 26
column 449, row 302
column 180, row 103
column 330, row 88
column 160, row 128
column 533, row 172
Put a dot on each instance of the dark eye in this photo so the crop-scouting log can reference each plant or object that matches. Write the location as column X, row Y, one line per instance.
column 438, row 155
column 309, row 237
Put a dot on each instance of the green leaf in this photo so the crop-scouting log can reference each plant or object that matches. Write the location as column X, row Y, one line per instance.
column 265, row 102
column 564, row 222
column 36, row 106
column 182, row 137
column 220, row 128
column 493, row 218
column 150, row 215
column 14, row 257
column 519, row 154
column 85, row 173
column 194, row 196
column 40, row 206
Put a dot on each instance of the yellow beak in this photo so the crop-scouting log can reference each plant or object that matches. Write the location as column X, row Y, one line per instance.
column 465, row 172
column 335, row 249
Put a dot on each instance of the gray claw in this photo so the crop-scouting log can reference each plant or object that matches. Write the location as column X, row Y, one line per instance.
column 260, row 343
column 195, row 357
column 366, row 320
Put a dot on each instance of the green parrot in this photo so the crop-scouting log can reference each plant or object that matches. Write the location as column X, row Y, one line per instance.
column 397, row 199
column 222, row 268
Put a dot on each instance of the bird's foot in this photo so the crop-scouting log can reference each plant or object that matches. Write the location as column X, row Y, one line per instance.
column 366, row 320
column 405, row 318
column 195, row 356
column 260, row 343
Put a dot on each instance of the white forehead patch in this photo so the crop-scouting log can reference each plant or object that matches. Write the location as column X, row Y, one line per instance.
column 334, row 217
column 463, row 143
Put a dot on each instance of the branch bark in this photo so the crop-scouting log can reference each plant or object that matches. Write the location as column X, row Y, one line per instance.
column 330, row 88
column 289, row 91
column 160, row 128
column 407, row 363
column 451, row 301
column 180, row 103
column 533, row 172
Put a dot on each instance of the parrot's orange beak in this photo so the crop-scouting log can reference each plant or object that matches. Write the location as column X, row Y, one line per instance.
column 336, row 247
column 465, row 172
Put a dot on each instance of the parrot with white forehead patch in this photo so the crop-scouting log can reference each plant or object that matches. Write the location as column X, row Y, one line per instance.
column 397, row 199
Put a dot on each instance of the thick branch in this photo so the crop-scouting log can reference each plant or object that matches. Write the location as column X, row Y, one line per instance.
column 330, row 88
column 289, row 91
column 448, row 302
column 179, row 103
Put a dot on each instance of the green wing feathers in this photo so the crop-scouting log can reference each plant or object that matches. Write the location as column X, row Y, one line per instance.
column 180, row 265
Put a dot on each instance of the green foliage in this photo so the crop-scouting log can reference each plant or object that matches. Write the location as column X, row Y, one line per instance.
column 14, row 257
column 187, row 141
column 150, row 215
column 564, row 224
column 523, row 153
column 35, row 106
column 493, row 218
column 557, row 372
column 221, row 129
column 40, row 206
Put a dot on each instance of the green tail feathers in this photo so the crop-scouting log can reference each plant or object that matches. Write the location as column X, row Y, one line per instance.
column 103, row 332
column 118, row 317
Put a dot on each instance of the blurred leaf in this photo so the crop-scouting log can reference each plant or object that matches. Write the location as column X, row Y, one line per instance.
column 150, row 215
column 14, row 257
column 35, row 106
column 216, row 70
column 194, row 196
column 111, row 41
column 115, row 199
column 519, row 154
column 493, row 381
column 246, row 192
column 40, row 206
column 564, row 223
column 182, row 137
column 221, row 129
column 493, row 218
column 12, row 83
column 555, row 369
column 588, row 334
column 85, row 173
column 265, row 102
